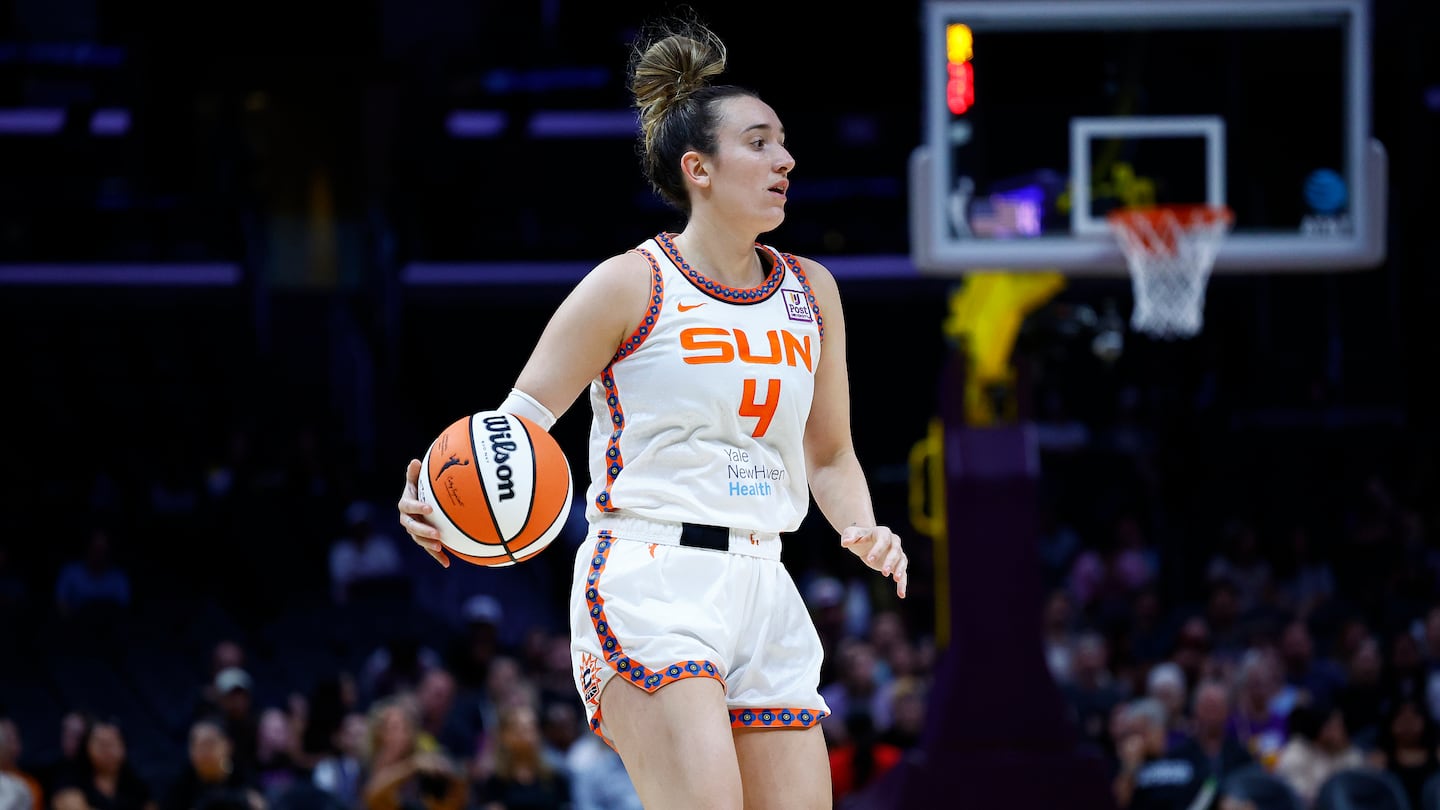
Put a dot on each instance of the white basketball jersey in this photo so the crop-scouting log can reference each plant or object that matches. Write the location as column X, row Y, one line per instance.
column 700, row 416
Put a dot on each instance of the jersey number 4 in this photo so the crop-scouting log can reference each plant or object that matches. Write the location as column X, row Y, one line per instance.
column 764, row 410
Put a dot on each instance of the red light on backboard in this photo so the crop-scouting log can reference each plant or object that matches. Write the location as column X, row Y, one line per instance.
column 960, row 84
column 960, row 88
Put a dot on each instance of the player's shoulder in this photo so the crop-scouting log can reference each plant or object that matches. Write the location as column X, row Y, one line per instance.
column 815, row 272
column 619, row 272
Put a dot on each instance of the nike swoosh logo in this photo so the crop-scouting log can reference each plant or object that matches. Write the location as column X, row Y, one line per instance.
column 685, row 308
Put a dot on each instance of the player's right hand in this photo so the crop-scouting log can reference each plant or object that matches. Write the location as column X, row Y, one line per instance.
column 412, row 516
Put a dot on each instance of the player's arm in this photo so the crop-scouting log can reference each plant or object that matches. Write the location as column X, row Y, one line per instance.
column 577, row 343
column 837, row 481
column 587, row 328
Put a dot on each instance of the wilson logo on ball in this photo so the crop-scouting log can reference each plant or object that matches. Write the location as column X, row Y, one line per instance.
column 508, row 488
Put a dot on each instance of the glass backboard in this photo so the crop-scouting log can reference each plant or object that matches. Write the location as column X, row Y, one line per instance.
column 1045, row 115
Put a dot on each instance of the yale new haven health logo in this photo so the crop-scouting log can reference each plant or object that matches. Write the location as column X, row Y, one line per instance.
column 797, row 306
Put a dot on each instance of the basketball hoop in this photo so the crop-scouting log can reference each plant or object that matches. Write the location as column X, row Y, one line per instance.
column 1170, row 250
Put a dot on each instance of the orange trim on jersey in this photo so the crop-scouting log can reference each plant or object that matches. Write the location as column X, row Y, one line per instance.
column 722, row 292
column 647, row 679
column 652, row 311
column 614, row 462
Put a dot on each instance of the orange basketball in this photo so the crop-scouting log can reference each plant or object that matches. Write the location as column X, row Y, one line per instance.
column 500, row 487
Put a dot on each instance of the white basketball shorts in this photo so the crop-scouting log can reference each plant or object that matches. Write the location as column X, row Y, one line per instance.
column 655, row 603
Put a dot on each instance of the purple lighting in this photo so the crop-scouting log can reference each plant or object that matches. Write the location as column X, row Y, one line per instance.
column 456, row 274
column 476, row 123
column 1014, row 212
column 110, row 122
column 584, row 124
column 121, row 274
column 32, row 120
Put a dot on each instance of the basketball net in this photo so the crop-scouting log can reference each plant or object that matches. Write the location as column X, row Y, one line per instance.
column 1170, row 250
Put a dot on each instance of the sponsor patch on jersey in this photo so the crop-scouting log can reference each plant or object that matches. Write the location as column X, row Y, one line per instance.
column 797, row 306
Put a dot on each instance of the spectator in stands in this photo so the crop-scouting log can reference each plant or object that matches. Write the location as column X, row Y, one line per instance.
column 1150, row 636
column 598, row 779
column 227, row 653
column 453, row 725
column 277, row 761
column 402, row 769
column 211, row 772
column 907, row 712
column 1241, row 563
column 1407, row 747
column 1211, row 746
column 235, row 695
column 1353, row 632
column 1306, row 578
column 74, row 728
column 1229, row 633
column 104, row 778
column 507, row 685
column 94, row 584
column 1229, row 801
column 1059, row 543
column 1430, row 632
column 1135, row 561
column 855, row 690
column 471, row 651
column 1255, row 721
column 520, row 774
column 397, row 666
column 890, row 639
column 1313, row 677
column 1318, row 746
column 1149, row 779
column 340, row 773
column 364, row 557
column 858, row 756
column 903, row 673
column 553, row 672
column 1087, row 582
column 15, row 794
column 1362, row 697
column 332, row 698
column 561, row 725
column 1058, row 632
column 825, row 597
column 12, row 748
column 1192, row 650
column 886, row 629
column 1166, row 683
column 1093, row 693
column 1403, row 675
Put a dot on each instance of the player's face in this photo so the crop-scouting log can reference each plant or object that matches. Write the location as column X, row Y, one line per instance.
column 751, row 167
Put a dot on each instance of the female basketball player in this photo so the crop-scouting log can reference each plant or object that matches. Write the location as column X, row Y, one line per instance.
column 720, row 404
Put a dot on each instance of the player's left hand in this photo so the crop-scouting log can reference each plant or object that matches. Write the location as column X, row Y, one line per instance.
column 880, row 549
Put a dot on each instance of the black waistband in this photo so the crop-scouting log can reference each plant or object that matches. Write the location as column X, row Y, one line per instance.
column 715, row 538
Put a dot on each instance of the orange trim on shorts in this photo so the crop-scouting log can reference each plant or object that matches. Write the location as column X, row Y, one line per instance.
column 647, row 679
column 775, row 718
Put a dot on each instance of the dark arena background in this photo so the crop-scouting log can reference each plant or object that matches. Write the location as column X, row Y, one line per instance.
column 253, row 257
